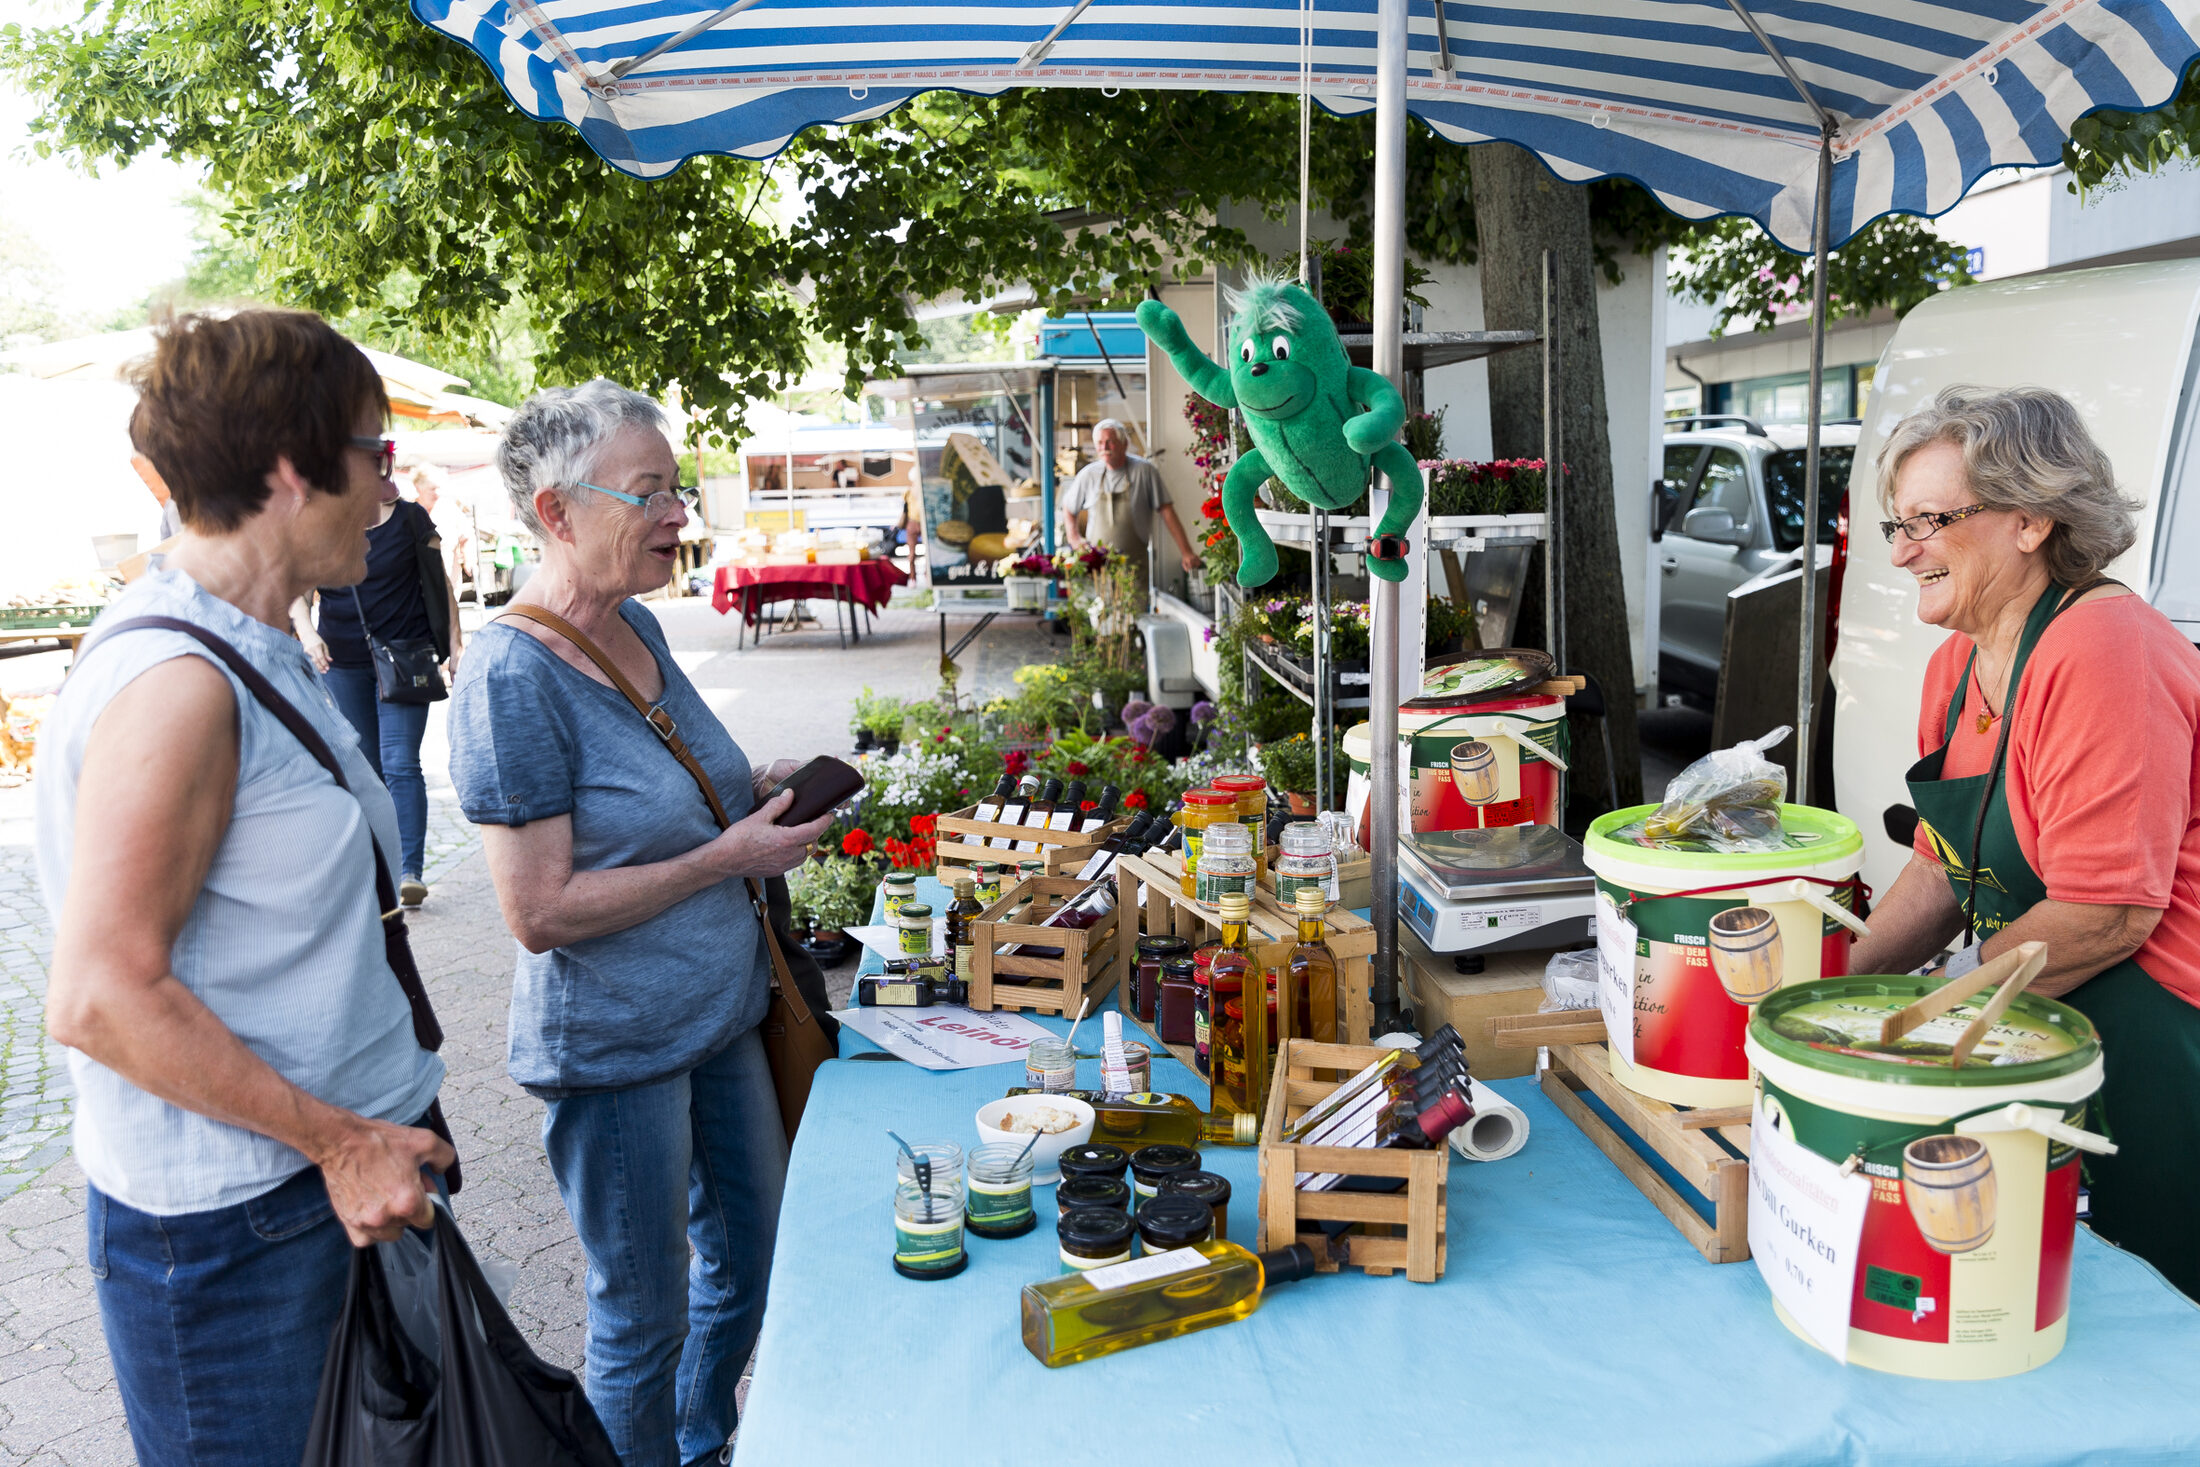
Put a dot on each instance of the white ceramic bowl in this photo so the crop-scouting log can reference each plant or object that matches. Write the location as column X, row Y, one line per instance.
column 1046, row 1157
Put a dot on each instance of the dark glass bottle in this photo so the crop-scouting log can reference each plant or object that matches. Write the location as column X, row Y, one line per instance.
column 962, row 917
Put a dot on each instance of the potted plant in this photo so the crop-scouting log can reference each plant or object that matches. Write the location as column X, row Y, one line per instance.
column 1288, row 766
column 832, row 894
column 863, row 725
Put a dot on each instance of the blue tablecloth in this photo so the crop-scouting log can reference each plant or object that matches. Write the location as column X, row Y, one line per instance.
column 1574, row 1324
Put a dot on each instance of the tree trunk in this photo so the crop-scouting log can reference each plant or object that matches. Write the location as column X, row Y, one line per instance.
column 1520, row 211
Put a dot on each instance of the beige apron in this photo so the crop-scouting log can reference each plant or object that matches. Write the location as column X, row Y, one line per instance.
column 1120, row 515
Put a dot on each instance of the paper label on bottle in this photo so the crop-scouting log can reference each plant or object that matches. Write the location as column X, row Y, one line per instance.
column 1144, row 1270
column 1806, row 1223
column 1616, row 940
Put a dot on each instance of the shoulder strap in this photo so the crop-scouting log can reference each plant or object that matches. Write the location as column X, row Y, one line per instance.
column 668, row 731
column 426, row 1029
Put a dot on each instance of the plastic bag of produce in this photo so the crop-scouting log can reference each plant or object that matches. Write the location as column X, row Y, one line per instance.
column 1569, row 982
column 1729, row 800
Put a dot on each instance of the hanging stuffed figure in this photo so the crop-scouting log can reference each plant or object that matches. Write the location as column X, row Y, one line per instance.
column 1317, row 422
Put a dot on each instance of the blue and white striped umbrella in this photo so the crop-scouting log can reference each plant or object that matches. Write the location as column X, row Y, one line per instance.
column 1676, row 94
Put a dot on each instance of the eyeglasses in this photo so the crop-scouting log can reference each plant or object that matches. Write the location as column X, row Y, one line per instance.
column 1933, row 523
column 384, row 451
column 657, row 506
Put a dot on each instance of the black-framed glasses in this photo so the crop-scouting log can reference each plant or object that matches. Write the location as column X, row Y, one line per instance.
column 1925, row 526
column 384, row 451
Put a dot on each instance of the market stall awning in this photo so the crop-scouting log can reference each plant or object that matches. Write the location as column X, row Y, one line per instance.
column 1677, row 94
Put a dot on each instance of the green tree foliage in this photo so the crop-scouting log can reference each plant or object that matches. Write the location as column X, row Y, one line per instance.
column 1733, row 265
column 2110, row 146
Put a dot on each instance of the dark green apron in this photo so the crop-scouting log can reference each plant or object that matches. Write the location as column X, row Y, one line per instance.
column 2146, row 1198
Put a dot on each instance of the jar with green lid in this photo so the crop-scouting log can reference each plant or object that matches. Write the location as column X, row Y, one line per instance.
column 1095, row 1159
column 1305, row 858
column 999, row 1178
column 913, row 924
column 988, row 876
column 1208, row 1188
column 1093, row 1237
column 1092, row 1191
column 1225, row 865
column 1202, row 808
column 1176, row 1221
column 900, row 888
column 1152, row 1165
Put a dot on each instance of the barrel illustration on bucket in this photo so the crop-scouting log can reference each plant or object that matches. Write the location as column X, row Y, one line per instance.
column 1474, row 772
column 1714, row 932
column 1963, row 1268
column 1529, row 746
column 1949, row 1183
column 1746, row 952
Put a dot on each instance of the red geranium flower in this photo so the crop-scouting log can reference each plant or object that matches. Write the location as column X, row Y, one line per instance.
column 1075, row 770
column 1016, row 762
column 1135, row 800
column 1089, row 805
column 856, row 843
column 1138, row 757
column 923, row 824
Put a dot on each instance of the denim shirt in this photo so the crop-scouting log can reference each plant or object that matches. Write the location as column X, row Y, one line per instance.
column 532, row 738
column 284, row 943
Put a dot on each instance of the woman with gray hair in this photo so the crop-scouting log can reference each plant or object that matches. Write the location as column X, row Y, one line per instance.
column 2058, row 798
column 643, row 969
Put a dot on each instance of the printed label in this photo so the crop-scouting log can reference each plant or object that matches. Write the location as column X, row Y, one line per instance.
column 1616, row 944
column 923, row 1245
column 1208, row 887
column 999, row 1206
column 916, row 942
column 963, row 962
column 1806, row 1222
column 1144, row 1270
column 1071, row 1263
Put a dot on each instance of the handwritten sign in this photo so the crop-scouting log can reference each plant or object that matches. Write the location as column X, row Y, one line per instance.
column 1616, row 976
column 1806, row 1221
column 946, row 1037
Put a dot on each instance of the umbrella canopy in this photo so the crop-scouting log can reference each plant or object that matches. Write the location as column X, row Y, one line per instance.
column 1680, row 95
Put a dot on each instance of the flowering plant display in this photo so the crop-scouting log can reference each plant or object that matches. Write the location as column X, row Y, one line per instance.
column 832, row 893
column 1504, row 486
column 1034, row 563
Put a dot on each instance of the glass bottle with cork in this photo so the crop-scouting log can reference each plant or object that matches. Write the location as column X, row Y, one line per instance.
column 1202, row 808
column 962, row 917
column 1312, row 970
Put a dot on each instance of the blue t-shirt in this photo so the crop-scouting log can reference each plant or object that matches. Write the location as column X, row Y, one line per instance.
column 532, row 738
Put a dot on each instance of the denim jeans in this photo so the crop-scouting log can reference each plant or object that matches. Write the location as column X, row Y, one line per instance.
column 218, row 1322
column 390, row 734
column 648, row 1172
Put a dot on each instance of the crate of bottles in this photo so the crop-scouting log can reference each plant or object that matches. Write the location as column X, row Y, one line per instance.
column 1402, row 1231
column 964, row 839
column 1150, row 899
column 1082, row 964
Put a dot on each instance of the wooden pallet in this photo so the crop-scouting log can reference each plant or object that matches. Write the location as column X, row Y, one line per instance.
column 1085, row 968
column 1689, row 1140
column 1150, row 900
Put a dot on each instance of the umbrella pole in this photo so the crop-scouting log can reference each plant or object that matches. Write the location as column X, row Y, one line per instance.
column 1806, row 681
column 1389, row 311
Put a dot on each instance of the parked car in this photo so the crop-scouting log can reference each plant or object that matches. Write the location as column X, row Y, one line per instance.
column 2120, row 343
column 1729, row 508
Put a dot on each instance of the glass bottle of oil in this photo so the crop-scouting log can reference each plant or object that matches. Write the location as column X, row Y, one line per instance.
column 1312, row 971
column 1231, row 966
column 1148, row 1119
column 1083, row 1316
column 962, row 916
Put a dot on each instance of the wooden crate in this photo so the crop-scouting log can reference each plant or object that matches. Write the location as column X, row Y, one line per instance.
column 962, row 839
column 1086, row 967
column 1150, row 899
column 1412, row 1223
column 1510, row 984
column 1690, row 1140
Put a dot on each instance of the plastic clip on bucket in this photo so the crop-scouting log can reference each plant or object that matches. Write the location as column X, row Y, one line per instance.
column 1963, row 1269
column 1689, row 984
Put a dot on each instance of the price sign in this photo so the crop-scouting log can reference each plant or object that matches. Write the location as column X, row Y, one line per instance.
column 1616, row 976
column 1806, row 1221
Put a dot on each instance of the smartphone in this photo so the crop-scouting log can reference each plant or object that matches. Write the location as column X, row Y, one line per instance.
column 820, row 785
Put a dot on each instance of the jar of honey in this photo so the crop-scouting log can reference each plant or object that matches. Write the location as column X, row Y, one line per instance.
column 1251, row 793
column 1202, row 808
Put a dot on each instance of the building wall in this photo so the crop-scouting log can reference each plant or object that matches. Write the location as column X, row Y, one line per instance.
column 1170, row 444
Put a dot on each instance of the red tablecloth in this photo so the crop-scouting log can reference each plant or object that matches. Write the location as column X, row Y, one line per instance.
column 868, row 583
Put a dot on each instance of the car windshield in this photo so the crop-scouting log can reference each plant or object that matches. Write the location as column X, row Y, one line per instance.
column 1784, row 493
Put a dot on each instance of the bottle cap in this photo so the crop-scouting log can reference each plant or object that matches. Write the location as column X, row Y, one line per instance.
column 1206, row 1186
column 1305, row 838
column 1236, row 906
column 1239, row 784
column 1291, row 1262
column 1444, row 1115
column 1312, row 900
column 1445, row 1038
column 1164, row 944
column 1173, row 1221
column 965, row 887
column 915, row 909
column 1098, row 1230
column 1151, row 1163
column 1094, row 1159
column 1095, row 1191
column 1179, row 965
column 1210, row 799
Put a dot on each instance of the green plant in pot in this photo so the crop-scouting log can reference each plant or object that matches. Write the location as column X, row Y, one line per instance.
column 831, row 894
column 878, row 720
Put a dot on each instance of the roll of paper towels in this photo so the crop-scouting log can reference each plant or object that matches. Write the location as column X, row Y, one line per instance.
column 1499, row 1127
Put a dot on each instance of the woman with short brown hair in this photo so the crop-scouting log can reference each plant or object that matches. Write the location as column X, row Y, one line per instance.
column 253, row 1098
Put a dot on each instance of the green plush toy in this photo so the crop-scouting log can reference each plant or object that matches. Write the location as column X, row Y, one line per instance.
column 1317, row 422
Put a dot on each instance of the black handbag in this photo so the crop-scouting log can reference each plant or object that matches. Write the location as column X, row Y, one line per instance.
column 406, row 669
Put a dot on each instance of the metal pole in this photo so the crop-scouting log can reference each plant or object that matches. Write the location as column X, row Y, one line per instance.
column 1046, row 460
column 1550, row 476
column 1554, row 462
column 1806, row 681
column 1325, row 717
column 1389, row 311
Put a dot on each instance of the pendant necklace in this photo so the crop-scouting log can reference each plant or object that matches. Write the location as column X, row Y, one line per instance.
column 1988, row 717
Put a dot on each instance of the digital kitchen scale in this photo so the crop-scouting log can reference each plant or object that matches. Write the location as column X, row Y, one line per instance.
column 1475, row 891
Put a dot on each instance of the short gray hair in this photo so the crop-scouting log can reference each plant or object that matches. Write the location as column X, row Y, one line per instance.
column 1106, row 423
column 2026, row 448
column 555, row 437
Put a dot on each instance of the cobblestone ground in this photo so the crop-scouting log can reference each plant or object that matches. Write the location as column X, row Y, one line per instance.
column 58, row 1402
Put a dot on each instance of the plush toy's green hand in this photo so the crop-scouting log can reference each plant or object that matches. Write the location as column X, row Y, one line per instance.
column 1256, row 552
column 1406, row 494
column 1165, row 329
column 1384, row 415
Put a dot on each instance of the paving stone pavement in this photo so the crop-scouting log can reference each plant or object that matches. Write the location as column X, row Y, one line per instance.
column 58, row 1402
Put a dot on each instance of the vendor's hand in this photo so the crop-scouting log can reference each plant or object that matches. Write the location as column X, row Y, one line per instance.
column 317, row 651
column 372, row 1170
column 757, row 847
column 450, row 668
column 765, row 779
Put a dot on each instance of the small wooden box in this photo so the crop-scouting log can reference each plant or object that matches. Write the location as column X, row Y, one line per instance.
column 1509, row 984
column 1085, row 968
column 963, row 837
column 1405, row 1229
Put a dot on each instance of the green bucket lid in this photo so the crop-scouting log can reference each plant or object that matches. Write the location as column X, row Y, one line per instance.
column 1832, row 1025
column 1813, row 834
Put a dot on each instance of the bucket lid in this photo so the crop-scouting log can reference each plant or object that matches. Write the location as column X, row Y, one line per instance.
column 1813, row 835
column 1495, row 672
column 1832, row 1025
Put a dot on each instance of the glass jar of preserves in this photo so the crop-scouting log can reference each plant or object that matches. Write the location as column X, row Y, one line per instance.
column 1202, row 808
column 1153, row 951
column 1000, row 1192
column 943, row 1158
column 900, row 888
column 913, row 926
column 1305, row 858
column 1173, row 1007
column 1050, row 1066
column 1251, row 793
column 988, row 876
column 1151, row 1164
column 1093, row 1237
column 1092, row 1191
column 1138, row 1059
column 1095, row 1159
column 1176, row 1221
column 1208, row 1188
column 1226, row 864
column 928, row 1232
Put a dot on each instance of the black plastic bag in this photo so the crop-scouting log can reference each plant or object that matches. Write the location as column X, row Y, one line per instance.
column 487, row 1400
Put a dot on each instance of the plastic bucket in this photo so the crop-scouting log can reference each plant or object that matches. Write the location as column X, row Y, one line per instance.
column 1515, row 777
column 1688, row 1026
column 1963, row 1272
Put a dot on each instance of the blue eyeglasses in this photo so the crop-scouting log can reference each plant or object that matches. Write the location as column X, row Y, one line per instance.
column 657, row 506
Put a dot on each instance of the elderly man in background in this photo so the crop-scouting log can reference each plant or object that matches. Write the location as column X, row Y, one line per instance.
column 1113, row 501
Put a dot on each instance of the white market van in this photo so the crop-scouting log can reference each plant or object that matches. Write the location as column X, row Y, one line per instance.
column 2120, row 343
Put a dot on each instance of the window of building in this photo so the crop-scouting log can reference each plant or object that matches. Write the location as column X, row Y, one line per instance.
column 1786, row 398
